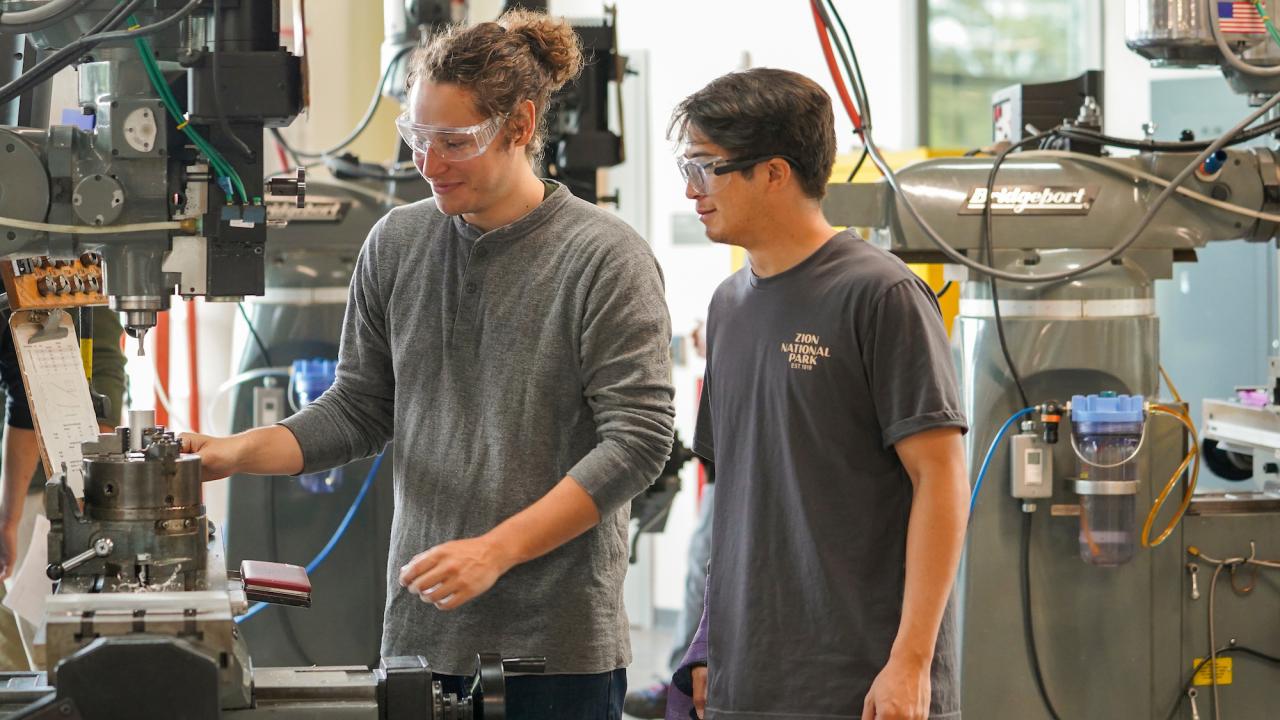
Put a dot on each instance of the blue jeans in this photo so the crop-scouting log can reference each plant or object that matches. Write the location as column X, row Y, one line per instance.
column 557, row 697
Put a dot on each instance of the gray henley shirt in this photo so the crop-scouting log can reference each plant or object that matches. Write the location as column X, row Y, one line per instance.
column 502, row 361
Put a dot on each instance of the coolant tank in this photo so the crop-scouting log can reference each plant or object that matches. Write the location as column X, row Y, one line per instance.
column 312, row 377
column 1106, row 435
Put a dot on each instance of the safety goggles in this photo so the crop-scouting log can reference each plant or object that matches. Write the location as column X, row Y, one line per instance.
column 452, row 144
column 702, row 173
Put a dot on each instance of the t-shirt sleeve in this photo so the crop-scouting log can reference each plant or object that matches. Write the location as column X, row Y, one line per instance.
column 354, row 418
column 703, row 441
column 909, row 364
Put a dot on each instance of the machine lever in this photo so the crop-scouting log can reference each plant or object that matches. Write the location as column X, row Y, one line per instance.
column 524, row 665
column 1191, row 698
column 1194, row 570
column 100, row 548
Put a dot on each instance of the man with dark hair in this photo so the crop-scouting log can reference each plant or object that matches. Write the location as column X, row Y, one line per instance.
column 831, row 413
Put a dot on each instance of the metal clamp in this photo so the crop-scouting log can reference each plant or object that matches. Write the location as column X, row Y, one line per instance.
column 101, row 548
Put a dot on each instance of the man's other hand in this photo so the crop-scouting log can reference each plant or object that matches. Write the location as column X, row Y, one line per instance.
column 700, row 691
column 900, row 692
column 454, row 573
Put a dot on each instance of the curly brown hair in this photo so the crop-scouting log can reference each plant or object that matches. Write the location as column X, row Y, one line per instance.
column 523, row 55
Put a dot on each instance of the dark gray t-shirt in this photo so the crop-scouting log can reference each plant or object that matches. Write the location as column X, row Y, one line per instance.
column 812, row 376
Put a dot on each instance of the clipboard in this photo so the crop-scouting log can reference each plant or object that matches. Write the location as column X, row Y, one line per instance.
column 57, row 390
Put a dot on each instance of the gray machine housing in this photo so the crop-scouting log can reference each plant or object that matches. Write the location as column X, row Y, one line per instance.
column 152, row 601
column 124, row 162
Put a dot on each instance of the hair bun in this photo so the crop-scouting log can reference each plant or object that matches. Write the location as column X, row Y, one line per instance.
column 551, row 40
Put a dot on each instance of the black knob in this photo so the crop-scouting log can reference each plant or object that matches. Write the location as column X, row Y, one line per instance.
column 54, row 571
column 296, row 186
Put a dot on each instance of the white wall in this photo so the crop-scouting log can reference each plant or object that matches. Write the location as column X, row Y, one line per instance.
column 688, row 44
column 1127, row 103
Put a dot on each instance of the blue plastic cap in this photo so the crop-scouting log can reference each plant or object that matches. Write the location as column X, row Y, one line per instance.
column 312, row 377
column 1214, row 162
column 1107, row 408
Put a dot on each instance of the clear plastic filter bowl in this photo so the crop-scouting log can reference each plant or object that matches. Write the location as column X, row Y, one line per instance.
column 1107, row 435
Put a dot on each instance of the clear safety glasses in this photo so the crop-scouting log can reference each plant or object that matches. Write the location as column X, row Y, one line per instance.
column 452, row 144
column 702, row 173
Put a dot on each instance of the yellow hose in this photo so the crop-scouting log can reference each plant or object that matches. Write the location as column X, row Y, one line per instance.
column 1193, row 453
column 96, row 229
column 1169, row 382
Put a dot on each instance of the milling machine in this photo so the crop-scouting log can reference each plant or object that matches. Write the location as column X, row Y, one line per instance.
column 142, row 621
column 1059, row 247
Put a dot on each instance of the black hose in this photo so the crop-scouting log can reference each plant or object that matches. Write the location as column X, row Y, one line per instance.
column 858, row 165
column 857, row 68
column 70, row 54
column 1182, row 694
column 946, row 287
column 988, row 246
column 262, row 348
column 225, row 126
column 340, row 166
column 1028, row 628
column 1186, row 146
column 40, row 17
column 360, row 126
column 33, row 77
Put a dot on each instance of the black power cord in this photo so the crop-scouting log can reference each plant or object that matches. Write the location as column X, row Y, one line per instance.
column 223, row 124
column 946, row 288
column 1229, row 649
column 1093, row 136
column 1028, row 628
column 857, row 68
column 988, row 246
column 262, row 348
column 20, row 86
column 73, row 51
column 858, row 166
column 360, row 127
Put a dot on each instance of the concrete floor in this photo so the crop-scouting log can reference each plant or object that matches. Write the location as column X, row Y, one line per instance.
column 650, row 650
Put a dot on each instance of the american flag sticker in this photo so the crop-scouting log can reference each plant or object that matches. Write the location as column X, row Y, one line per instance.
column 1240, row 18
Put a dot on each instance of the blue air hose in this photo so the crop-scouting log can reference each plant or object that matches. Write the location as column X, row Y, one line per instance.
column 991, row 451
column 337, row 534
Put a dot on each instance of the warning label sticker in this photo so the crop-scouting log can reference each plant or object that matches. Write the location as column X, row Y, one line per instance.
column 1204, row 676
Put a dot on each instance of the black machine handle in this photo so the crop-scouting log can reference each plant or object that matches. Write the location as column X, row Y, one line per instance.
column 524, row 665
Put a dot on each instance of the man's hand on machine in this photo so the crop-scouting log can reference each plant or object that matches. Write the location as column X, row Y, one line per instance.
column 217, row 454
column 455, row 573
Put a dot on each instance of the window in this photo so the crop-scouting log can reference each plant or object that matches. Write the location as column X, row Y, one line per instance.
column 978, row 46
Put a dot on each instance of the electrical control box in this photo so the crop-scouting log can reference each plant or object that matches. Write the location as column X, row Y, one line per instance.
column 268, row 405
column 1032, row 470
